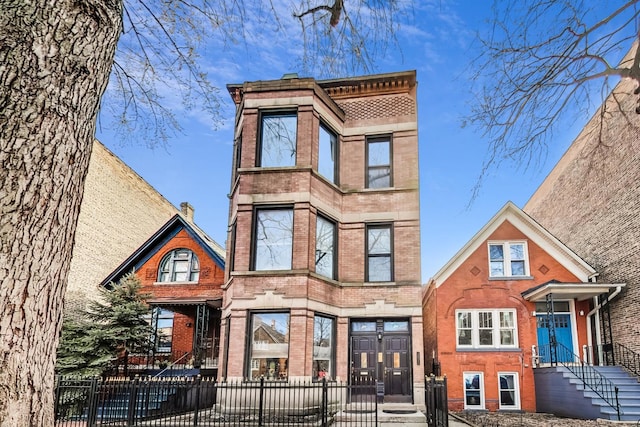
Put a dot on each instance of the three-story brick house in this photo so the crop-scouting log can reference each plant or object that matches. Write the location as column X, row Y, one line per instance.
column 323, row 252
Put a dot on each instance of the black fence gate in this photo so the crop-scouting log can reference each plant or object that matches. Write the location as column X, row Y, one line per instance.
column 436, row 401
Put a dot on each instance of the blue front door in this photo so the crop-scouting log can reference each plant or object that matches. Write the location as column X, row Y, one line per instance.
column 562, row 324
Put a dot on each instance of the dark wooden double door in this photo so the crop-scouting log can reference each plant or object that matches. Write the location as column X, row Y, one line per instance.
column 386, row 358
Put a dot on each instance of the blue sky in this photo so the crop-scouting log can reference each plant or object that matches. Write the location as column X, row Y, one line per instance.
column 438, row 42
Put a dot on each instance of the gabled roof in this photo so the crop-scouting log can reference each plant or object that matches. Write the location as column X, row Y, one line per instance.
column 169, row 230
column 534, row 232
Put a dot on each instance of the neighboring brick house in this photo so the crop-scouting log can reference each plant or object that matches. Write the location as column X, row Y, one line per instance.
column 119, row 211
column 591, row 201
column 182, row 269
column 324, row 241
column 492, row 310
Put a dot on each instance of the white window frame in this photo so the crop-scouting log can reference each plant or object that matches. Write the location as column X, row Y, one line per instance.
column 481, row 389
column 496, row 328
column 516, row 389
column 506, row 262
column 167, row 272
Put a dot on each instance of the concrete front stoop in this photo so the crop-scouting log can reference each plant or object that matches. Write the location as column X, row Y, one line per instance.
column 389, row 414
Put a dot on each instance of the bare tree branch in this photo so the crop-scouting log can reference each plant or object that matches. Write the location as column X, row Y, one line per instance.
column 539, row 66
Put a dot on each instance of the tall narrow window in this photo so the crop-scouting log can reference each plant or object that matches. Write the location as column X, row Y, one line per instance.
column 323, row 347
column 379, row 253
column 508, row 259
column 508, row 388
column 273, row 239
column 379, row 163
column 485, row 328
column 162, row 323
column 179, row 265
column 464, row 328
column 269, row 346
column 278, row 140
column 325, row 247
column 328, row 154
column 232, row 246
column 473, row 390
column 237, row 158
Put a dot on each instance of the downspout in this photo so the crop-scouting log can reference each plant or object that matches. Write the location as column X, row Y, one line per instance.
column 595, row 310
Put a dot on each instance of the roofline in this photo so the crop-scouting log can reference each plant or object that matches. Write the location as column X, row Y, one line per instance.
column 399, row 81
column 483, row 234
column 139, row 255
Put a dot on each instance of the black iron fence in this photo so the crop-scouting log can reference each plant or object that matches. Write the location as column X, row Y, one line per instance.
column 613, row 354
column 435, row 397
column 176, row 402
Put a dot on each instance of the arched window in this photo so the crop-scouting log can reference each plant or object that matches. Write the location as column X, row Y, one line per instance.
column 179, row 265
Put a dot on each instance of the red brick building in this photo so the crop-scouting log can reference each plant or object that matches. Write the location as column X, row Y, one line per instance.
column 492, row 310
column 323, row 272
column 182, row 269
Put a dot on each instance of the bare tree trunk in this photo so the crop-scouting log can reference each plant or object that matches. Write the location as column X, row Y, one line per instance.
column 55, row 60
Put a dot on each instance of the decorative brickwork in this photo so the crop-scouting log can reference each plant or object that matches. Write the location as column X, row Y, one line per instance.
column 391, row 106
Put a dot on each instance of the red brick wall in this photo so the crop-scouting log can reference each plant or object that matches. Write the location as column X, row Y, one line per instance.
column 208, row 285
column 469, row 287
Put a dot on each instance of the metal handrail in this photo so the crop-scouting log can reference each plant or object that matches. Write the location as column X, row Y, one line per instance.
column 586, row 373
column 627, row 358
column 175, row 362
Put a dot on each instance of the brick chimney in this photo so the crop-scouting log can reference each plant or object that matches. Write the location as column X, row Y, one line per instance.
column 187, row 210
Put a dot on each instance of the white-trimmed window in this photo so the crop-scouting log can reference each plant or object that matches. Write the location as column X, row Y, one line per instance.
column 473, row 390
column 486, row 328
column 179, row 265
column 508, row 259
column 508, row 390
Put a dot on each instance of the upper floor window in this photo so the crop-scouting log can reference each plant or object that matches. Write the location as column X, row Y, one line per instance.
column 273, row 239
column 379, row 162
column 508, row 259
column 325, row 247
column 486, row 328
column 379, row 253
column 328, row 154
column 278, row 139
column 179, row 265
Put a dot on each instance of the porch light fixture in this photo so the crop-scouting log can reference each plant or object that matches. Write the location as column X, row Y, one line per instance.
column 379, row 335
